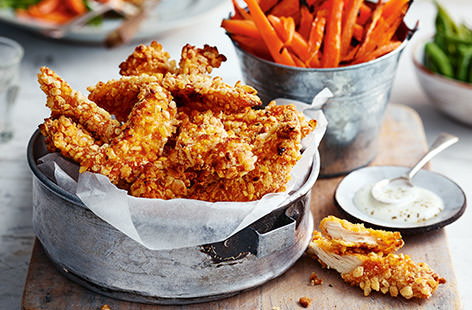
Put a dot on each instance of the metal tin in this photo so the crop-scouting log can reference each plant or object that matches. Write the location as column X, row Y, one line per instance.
column 354, row 114
column 94, row 254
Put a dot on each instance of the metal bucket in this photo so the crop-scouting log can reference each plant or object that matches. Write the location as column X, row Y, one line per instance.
column 94, row 254
column 354, row 114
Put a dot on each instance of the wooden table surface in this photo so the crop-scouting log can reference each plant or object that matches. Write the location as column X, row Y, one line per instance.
column 402, row 142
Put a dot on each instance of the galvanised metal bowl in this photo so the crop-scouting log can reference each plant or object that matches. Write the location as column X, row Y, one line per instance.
column 94, row 254
column 354, row 114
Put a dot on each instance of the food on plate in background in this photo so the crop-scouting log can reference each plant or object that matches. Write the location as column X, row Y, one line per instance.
column 450, row 52
column 177, row 132
column 56, row 11
column 366, row 258
column 315, row 33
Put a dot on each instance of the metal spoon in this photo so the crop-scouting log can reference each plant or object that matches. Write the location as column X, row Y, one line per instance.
column 400, row 189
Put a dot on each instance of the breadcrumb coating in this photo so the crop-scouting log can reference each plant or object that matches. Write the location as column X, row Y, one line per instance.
column 275, row 134
column 202, row 93
column 395, row 275
column 346, row 237
column 204, row 144
column 148, row 59
column 119, row 96
column 63, row 100
column 178, row 132
column 161, row 180
column 371, row 268
column 199, row 60
column 149, row 125
column 71, row 139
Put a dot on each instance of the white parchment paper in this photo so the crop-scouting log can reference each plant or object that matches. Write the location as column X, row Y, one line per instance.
column 170, row 224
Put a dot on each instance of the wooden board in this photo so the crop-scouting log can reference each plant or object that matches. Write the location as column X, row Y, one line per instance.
column 402, row 142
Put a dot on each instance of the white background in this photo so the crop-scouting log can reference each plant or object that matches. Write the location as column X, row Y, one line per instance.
column 85, row 65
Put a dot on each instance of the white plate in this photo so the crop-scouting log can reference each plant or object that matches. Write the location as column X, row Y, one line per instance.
column 452, row 195
column 168, row 15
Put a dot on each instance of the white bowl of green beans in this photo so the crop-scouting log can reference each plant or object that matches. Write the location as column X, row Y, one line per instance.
column 443, row 65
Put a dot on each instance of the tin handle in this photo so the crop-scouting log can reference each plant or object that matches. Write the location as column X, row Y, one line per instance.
column 277, row 239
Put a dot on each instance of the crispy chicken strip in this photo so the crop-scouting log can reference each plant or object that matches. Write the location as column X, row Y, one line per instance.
column 203, row 150
column 148, row 59
column 275, row 134
column 202, row 93
column 76, row 143
column 161, row 180
column 204, row 144
column 150, row 124
column 63, row 100
column 199, row 60
column 71, row 139
column 392, row 273
column 119, row 96
column 355, row 238
column 153, row 60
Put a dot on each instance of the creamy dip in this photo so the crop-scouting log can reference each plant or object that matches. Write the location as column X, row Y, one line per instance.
column 421, row 205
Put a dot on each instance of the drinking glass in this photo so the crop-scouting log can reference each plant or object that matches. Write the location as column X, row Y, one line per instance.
column 11, row 54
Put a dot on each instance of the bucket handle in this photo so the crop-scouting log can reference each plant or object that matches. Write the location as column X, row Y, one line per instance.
column 273, row 233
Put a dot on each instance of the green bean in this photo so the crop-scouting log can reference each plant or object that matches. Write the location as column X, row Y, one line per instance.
column 429, row 63
column 464, row 63
column 439, row 59
column 465, row 32
column 444, row 22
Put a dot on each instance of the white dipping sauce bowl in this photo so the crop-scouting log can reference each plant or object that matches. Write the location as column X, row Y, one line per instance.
column 451, row 97
column 450, row 193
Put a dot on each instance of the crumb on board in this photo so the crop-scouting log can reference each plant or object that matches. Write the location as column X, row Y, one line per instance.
column 105, row 307
column 314, row 280
column 304, row 302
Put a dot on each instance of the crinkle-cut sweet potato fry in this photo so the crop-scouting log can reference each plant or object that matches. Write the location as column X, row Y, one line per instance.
column 369, row 42
column 287, row 8
column 306, row 19
column 353, row 31
column 316, row 35
column 245, row 28
column 239, row 12
column 348, row 24
column 269, row 35
column 252, row 46
column 365, row 13
column 267, row 5
column 385, row 49
column 285, row 28
column 332, row 47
